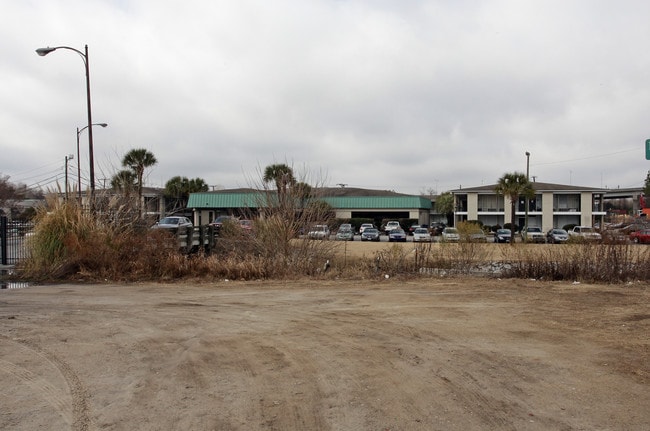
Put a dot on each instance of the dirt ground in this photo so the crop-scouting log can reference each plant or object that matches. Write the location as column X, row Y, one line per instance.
column 386, row 354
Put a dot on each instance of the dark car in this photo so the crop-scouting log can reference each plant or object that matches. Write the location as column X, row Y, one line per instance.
column 437, row 228
column 370, row 234
column 413, row 227
column 557, row 236
column 397, row 235
column 219, row 221
column 502, row 235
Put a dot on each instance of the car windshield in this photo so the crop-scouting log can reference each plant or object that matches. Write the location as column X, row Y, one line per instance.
column 169, row 220
column 397, row 231
column 503, row 232
column 421, row 230
column 451, row 230
column 559, row 232
column 370, row 230
column 534, row 229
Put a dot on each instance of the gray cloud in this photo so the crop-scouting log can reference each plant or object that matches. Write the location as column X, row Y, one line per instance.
column 409, row 97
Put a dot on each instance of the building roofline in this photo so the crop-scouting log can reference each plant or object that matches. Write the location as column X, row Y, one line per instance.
column 537, row 186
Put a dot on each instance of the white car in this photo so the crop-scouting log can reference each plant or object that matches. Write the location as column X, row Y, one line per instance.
column 450, row 234
column 320, row 231
column 533, row 234
column 421, row 234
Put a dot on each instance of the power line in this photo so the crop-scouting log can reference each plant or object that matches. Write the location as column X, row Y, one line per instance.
column 586, row 158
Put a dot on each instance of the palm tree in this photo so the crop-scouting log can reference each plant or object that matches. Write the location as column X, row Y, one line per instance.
column 303, row 192
column 445, row 205
column 123, row 181
column 282, row 176
column 514, row 185
column 179, row 189
column 138, row 160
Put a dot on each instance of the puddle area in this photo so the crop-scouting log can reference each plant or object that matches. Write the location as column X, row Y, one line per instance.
column 13, row 285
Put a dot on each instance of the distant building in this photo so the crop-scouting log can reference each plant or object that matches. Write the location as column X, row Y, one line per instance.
column 554, row 205
column 347, row 203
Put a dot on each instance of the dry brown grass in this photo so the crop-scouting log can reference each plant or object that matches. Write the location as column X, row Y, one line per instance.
column 72, row 244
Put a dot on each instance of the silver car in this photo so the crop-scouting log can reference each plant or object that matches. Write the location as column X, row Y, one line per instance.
column 450, row 234
column 421, row 234
column 557, row 236
column 172, row 222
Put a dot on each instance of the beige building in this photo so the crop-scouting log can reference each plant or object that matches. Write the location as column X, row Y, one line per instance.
column 554, row 205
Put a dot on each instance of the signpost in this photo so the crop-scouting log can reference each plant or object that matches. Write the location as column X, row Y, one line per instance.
column 647, row 149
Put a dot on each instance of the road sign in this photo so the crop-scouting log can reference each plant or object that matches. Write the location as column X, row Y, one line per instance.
column 647, row 149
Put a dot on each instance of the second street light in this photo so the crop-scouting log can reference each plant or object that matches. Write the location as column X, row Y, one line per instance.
column 79, row 160
column 67, row 159
column 527, row 179
column 84, row 56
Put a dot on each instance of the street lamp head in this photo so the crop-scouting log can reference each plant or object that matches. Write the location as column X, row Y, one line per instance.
column 102, row 124
column 527, row 153
column 44, row 51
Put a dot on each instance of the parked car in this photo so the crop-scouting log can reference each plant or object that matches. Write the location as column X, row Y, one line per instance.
column 437, row 228
column 502, row 235
column 412, row 228
column 450, row 234
column 557, row 236
column 584, row 233
column 421, row 234
column 640, row 236
column 319, row 231
column 365, row 226
column 246, row 225
column 390, row 226
column 478, row 236
column 172, row 222
column 370, row 234
column 533, row 234
column 397, row 235
column 345, row 233
column 219, row 221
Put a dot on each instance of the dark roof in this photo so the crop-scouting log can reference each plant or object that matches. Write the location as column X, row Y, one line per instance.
column 537, row 186
column 323, row 192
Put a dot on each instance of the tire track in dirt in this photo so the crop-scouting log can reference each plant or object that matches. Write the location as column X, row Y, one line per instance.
column 75, row 409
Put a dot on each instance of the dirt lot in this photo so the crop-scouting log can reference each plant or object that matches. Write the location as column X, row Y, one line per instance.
column 430, row 354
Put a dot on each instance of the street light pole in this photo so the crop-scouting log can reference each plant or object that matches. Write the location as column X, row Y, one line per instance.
column 527, row 179
column 84, row 56
column 79, row 160
column 67, row 159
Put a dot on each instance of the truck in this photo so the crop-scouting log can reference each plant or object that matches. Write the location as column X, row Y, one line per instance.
column 584, row 233
column 391, row 225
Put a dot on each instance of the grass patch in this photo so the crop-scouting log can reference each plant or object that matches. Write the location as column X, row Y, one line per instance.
column 72, row 244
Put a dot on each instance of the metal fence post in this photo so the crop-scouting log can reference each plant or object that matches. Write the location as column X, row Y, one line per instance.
column 3, row 239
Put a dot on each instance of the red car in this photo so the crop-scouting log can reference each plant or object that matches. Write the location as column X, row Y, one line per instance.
column 640, row 236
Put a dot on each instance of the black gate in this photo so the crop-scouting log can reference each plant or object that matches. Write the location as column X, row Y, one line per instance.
column 13, row 240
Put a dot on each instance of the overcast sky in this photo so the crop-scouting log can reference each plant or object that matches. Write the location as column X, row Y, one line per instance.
column 412, row 96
